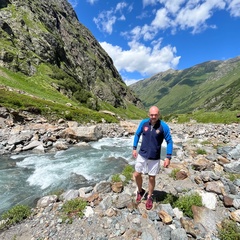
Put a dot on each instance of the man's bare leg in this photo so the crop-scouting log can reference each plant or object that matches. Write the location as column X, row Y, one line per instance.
column 138, row 179
column 151, row 185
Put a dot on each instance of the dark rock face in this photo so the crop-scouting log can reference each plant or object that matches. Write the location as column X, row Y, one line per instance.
column 48, row 32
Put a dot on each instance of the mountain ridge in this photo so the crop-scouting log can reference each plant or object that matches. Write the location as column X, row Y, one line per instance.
column 45, row 44
column 202, row 86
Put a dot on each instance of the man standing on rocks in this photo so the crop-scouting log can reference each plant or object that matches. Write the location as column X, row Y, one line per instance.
column 153, row 131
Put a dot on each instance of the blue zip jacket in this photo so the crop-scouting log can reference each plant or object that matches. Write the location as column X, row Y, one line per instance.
column 152, row 138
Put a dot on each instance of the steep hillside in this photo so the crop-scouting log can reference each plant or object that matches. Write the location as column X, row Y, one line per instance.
column 212, row 86
column 47, row 53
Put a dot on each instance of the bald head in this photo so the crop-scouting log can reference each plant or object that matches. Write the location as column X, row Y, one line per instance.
column 154, row 110
column 154, row 114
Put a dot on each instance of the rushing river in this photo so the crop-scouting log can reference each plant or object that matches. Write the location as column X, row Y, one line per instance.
column 26, row 177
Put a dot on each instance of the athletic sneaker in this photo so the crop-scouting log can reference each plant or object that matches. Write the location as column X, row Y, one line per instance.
column 140, row 196
column 149, row 203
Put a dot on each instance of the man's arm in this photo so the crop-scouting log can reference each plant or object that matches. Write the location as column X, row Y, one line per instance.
column 137, row 137
column 168, row 139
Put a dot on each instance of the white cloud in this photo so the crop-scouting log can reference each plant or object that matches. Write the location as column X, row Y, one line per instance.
column 92, row 1
column 122, row 18
column 149, row 2
column 130, row 8
column 131, row 81
column 172, row 6
column 195, row 15
column 105, row 21
column 120, row 6
column 161, row 21
column 180, row 15
column 74, row 3
column 171, row 15
column 234, row 7
column 146, row 60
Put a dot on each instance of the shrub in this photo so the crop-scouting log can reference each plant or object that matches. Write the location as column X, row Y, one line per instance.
column 229, row 231
column 169, row 198
column 201, row 151
column 15, row 215
column 73, row 208
column 116, row 178
column 127, row 172
column 186, row 202
column 174, row 173
column 206, row 142
column 233, row 176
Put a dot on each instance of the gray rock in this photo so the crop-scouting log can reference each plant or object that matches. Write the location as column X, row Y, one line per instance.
column 102, row 187
column 179, row 234
column 69, row 195
column 46, row 200
column 122, row 201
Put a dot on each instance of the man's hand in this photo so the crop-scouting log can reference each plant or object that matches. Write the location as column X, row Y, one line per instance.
column 166, row 162
column 134, row 153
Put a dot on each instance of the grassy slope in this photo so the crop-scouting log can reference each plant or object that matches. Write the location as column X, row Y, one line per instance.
column 36, row 94
column 191, row 89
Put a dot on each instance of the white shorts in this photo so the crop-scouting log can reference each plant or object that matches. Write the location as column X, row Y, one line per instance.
column 146, row 166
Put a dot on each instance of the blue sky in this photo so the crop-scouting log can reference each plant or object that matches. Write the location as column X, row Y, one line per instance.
column 145, row 37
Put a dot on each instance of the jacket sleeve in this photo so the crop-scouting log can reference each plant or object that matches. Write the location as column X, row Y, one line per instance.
column 168, row 139
column 138, row 133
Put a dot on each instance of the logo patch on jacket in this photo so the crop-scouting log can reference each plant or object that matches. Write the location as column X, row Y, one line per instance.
column 145, row 129
column 157, row 131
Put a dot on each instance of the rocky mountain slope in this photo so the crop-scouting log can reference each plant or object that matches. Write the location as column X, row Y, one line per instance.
column 44, row 40
column 211, row 86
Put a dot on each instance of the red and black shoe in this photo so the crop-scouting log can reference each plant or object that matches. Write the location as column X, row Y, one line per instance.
column 149, row 203
column 140, row 195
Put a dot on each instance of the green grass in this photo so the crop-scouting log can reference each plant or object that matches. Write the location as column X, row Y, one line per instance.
column 230, row 230
column 169, row 198
column 15, row 215
column 204, row 86
column 38, row 86
column 232, row 176
column 51, row 110
column 20, row 92
column 224, row 116
column 37, row 93
column 174, row 173
column 186, row 202
column 116, row 178
column 200, row 151
column 73, row 208
column 127, row 172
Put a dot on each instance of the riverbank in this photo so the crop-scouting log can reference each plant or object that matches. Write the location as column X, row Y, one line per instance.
column 22, row 133
column 206, row 155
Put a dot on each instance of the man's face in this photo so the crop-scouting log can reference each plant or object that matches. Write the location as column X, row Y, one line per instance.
column 154, row 115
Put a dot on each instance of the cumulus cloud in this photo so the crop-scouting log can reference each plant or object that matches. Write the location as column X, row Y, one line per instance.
column 145, row 53
column 106, row 19
column 146, row 60
column 130, row 81
column 92, row 1
column 179, row 15
column 234, row 7
column 74, row 3
column 149, row 2
column 195, row 16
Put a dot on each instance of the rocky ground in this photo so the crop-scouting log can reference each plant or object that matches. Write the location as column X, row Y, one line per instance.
column 205, row 154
